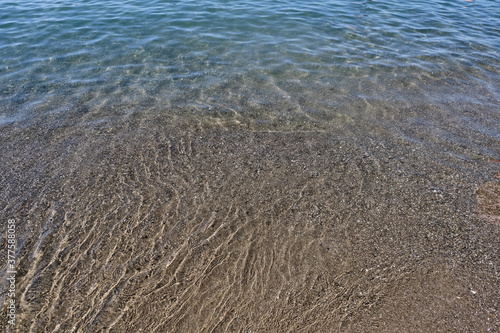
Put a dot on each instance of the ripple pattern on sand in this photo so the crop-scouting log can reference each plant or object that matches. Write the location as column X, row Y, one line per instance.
column 179, row 229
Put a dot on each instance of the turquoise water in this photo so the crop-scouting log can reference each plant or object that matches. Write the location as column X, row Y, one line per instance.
column 270, row 62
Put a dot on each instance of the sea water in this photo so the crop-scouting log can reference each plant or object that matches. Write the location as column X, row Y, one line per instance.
column 413, row 68
column 250, row 166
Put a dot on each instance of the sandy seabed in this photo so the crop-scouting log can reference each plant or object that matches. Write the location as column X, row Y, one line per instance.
column 158, row 226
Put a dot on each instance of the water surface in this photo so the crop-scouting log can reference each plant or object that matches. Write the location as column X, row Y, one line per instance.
column 281, row 63
column 251, row 166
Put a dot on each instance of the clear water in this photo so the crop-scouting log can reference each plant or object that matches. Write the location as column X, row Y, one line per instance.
column 251, row 166
column 280, row 63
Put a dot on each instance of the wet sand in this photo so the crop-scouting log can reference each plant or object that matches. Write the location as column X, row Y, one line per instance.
column 164, row 226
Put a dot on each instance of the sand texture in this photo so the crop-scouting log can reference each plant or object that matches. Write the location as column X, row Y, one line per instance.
column 156, row 227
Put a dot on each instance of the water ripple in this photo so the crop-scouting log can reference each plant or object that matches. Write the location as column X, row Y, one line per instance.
column 186, row 50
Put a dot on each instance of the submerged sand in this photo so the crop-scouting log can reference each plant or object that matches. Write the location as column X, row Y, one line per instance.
column 158, row 226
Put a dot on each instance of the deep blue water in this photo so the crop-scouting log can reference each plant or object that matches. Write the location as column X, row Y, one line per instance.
column 258, row 61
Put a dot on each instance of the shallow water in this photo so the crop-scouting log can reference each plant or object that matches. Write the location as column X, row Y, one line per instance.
column 281, row 63
column 216, row 166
